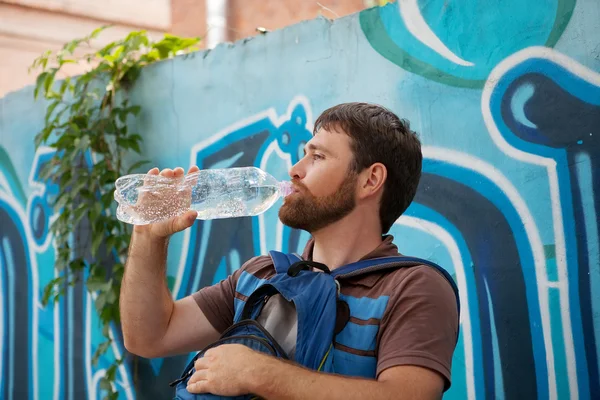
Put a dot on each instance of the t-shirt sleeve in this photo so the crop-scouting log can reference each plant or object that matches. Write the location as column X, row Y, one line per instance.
column 420, row 325
column 217, row 301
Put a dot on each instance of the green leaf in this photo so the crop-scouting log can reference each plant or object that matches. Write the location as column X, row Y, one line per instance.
column 79, row 213
column 107, row 200
column 62, row 201
column 72, row 45
column 133, row 144
column 39, row 84
column 106, row 330
column 50, row 288
column 150, row 57
column 64, row 61
column 100, row 302
column 137, row 165
column 100, row 350
column 77, row 264
column 164, row 50
column 96, row 242
column 133, row 73
column 105, row 384
column 135, row 110
column 97, row 31
column 117, row 52
column 49, row 80
column 111, row 295
column 51, row 109
column 98, row 209
column 112, row 396
column 98, row 283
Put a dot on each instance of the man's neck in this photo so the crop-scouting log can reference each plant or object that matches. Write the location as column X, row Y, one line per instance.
column 346, row 241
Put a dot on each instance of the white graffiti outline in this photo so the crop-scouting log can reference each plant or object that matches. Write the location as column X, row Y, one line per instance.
column 269, row 113
column 593, row 78
column 274, row 147
column 583, row 161
column 39, row 189
column 92, row 380
column 477, row 165
column 465, row 318
column 5, row 185
column 418, row 27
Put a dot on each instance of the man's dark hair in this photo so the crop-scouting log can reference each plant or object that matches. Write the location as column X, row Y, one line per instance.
column 378, row 135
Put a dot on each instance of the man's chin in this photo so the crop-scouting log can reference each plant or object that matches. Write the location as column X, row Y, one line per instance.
column 290, row 221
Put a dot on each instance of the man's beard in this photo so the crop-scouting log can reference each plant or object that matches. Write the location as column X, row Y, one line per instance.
column 303, row 210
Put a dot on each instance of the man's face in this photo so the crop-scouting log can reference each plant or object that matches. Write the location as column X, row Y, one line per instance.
column 324, row 186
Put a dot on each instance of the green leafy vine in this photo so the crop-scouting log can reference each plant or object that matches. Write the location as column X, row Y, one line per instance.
column 86, row 124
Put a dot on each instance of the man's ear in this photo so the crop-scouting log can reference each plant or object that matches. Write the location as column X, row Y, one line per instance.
column 372, row 180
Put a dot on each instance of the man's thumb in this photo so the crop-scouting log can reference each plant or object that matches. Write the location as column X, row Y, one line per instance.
column 184, row 221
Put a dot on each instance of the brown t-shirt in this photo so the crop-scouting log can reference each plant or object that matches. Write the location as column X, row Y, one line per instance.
column 419, row 325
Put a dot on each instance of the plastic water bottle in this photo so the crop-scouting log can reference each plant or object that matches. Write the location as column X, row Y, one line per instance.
column 214, row 193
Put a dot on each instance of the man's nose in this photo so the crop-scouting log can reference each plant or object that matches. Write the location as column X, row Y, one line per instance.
column 296, row 172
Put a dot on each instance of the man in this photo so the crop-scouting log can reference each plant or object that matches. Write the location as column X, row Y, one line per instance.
column 359, row 174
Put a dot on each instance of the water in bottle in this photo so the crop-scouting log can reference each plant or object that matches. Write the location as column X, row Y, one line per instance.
column 214, row 193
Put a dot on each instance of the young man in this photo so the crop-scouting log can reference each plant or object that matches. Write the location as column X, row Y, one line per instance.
column 359, row 174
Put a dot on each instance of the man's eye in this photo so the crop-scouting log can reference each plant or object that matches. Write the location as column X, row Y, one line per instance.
column 317, row 157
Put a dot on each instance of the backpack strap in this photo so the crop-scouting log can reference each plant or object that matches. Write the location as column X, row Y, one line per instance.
column 378, row 264
column 282, row 261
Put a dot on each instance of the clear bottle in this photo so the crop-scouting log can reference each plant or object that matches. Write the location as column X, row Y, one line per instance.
column 214, row 193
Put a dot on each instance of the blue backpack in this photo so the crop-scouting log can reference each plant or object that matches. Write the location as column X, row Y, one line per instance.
column 322, row 313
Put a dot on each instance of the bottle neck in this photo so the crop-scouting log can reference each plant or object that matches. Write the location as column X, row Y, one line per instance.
column 285, row 188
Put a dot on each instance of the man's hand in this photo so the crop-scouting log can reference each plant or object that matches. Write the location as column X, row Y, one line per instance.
column 225, row 370
column 164, row 229
column 233, row 370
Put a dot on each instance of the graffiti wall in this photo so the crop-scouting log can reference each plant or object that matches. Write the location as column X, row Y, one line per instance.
column 506, row 98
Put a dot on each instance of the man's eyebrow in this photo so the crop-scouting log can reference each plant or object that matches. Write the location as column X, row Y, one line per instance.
column 316, row 147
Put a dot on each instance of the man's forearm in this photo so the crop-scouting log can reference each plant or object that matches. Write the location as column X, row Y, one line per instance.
column 146, row 303
column 278, row 380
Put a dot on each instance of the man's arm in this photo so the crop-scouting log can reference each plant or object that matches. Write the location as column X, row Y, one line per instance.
column 232, row 370
column 403, row 382
column 153, row 324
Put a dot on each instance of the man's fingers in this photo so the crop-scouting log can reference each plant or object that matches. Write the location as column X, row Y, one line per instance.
column 175, row 224
column 187, row 219
column 183, row 221
column 153, row 171
column 198, row 387
column 167, row 172
column 199, row 375
column 197, row 383
column 201, row 364
column 193, row 181
column 178, row 172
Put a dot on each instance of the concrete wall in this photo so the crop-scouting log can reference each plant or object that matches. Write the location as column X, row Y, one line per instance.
column 506, row 96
